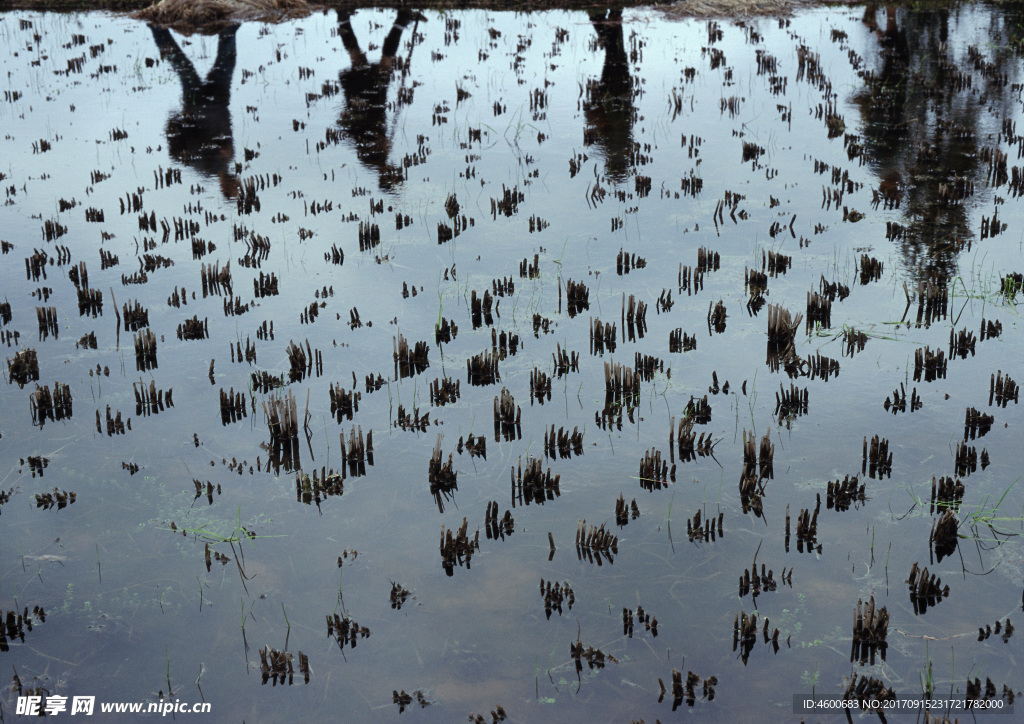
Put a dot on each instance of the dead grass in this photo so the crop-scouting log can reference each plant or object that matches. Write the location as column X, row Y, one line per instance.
column 209, row 14
column 734, row 8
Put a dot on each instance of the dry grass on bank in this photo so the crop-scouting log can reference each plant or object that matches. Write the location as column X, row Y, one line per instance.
column 733, row 8
column 209, row 14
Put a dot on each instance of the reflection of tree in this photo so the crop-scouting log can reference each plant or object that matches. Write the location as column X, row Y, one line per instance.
column 364, row 119
column 608, row 103
column 199, row 135
column 921, row 132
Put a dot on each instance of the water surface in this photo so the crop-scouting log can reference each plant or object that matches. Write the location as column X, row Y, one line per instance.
column 387, row 170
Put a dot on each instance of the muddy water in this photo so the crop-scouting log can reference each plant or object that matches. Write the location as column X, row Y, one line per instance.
column 383, row 172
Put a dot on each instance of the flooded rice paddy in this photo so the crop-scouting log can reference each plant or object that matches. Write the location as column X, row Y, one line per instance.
column 590, row 366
